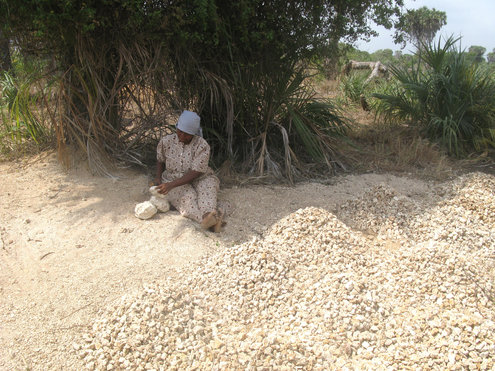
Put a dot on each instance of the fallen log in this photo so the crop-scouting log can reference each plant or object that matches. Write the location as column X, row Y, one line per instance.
column 378, row 69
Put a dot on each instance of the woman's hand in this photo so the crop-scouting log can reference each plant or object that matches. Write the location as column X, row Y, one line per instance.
column 188, row 177
column 164, row 188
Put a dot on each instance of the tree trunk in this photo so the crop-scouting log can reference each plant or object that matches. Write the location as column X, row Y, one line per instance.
column 5, row 61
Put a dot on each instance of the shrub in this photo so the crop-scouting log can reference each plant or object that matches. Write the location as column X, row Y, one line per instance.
column 451, row 100
column 22, row 91
column 354, row 86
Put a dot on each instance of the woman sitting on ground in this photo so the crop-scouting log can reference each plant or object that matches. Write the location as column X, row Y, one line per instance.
column 182, row 173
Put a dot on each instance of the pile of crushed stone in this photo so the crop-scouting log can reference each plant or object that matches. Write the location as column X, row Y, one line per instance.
column 416, row 290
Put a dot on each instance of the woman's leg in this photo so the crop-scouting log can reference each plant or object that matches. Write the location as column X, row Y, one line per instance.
column 185, row 200
column 206, row 190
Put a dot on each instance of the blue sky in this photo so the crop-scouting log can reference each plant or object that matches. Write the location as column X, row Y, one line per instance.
column 474, row 20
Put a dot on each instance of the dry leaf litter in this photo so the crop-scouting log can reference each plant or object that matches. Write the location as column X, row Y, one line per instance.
column 407, row 286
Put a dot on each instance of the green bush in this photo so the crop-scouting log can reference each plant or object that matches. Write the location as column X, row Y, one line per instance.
column 20, row 121
column 24, row 91
column 354, row 86
column 452, row 100
column 288, row 124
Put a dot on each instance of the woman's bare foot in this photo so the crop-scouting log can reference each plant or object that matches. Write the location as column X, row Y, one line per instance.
column 209, row 220
column 220, row 223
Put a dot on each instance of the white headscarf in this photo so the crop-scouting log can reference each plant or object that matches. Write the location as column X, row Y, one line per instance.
column 189, row 123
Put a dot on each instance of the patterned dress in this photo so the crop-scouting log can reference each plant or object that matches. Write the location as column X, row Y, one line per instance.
column 199, row 197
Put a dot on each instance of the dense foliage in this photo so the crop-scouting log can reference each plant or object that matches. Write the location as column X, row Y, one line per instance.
column 126, row 65
column 420, row 26
column 24, row 117
column 451, row 99
column 475, row 54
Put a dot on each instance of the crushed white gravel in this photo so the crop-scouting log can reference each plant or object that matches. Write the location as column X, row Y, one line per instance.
column 384, row 283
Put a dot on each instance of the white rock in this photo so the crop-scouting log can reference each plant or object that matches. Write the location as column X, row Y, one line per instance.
column 160, row 203
column 154, row 192
column 145, row 210
column 276, row 299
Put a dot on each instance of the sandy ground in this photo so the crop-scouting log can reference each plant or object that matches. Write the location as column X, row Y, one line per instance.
column 70, row 245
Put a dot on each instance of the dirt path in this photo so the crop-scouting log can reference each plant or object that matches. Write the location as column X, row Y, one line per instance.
column 70, row 246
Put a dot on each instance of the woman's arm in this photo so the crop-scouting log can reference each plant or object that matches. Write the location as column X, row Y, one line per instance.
column 188, row 177
column 160, row 167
